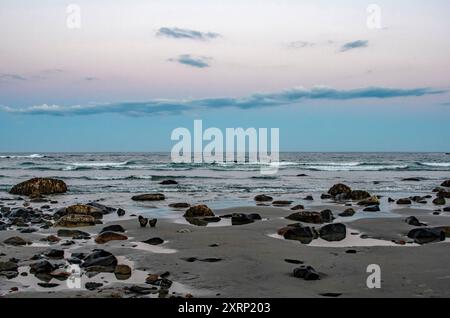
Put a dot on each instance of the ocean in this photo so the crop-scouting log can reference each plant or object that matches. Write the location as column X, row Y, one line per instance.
column 115, row 177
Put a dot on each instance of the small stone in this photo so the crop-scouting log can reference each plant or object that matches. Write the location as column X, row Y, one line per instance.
column 142, row 221
column 306, row 272
column 154, row 241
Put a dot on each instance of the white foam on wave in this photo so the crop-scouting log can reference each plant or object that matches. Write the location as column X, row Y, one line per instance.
column 33, row 156
column 435, row 164
column 357, row 168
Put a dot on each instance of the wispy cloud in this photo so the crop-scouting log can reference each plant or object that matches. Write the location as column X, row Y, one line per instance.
column 178, row 33
column 194, row 61
column 257, row 100
column 12, row 77
column 354, row 45
column 90, row 78
column 300, row 44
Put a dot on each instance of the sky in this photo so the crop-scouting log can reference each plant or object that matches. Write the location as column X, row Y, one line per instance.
column 111, row 75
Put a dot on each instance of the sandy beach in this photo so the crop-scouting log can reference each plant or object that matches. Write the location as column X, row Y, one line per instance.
column 250, row 260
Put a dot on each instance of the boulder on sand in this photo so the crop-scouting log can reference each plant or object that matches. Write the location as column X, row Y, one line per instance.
column 359, row 195
column 439, row 201
column 100, row 258
column 263, row 198
column 347, row 213
column 149, row 197
column 404, row 201
column 427, row 235
column 446, row 184
column 306, row 272
column 338, row 189
column 412, row 220
column 198, row 211
column 333, row 232
column 373, row 200
column 75, row 220
column 105, row 237
column 306, row 216
column 298, row 232
column 39, row 186
column 16, row 241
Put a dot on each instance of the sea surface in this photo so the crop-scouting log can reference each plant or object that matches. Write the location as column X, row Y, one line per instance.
column 115, row 177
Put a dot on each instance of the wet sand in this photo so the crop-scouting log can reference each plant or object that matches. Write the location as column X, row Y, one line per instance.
column 249, row 262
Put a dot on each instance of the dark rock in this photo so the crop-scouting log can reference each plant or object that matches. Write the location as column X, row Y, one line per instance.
column 55, row 254
column 339, row 189
column 28, row 230
column 168, row 182
column 154, row 241
column 309, row 198
column 439, row 201
column 297, row 232
column 325, row 196
column 21, row 213
column 298, row 207
column 350, row 251
column 198, row 211
column 149, row 197
column 39, row 186
column 390, row 200
column 333, row 295
column 302, row 175
column 426, row 235
column 293, row 261
column 203, row 221
column 9, row 274
column 446, row 184
column 73, row 234
column 333, row 232
column 105, row 237
column 48, row 285
column 103, row 208
column 122, row 272
column 412, row 179
column 16, row 241
column 412, row 220
column 142, row 221
column 446, row 209
column 42, row 267
column 373, row 200
column 281, row 202
column 152, row 222
column 240, row 219
column 404, row 201
column 374, row 208
column 92, row 285
column 443, row 194
column 255, row 216
column 113, row 228
column 347, row 213
column 8, row 266
column 306, row 272
column 100, row 258
column 141, row 290
column 359, row 195
column 327, row 216
column 75, row 220
column 120, row 212
column 180, row 205
column 263, row 198
column 306, row 216
column 85, row 209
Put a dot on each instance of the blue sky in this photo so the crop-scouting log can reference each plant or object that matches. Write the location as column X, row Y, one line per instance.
column 133, row 72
